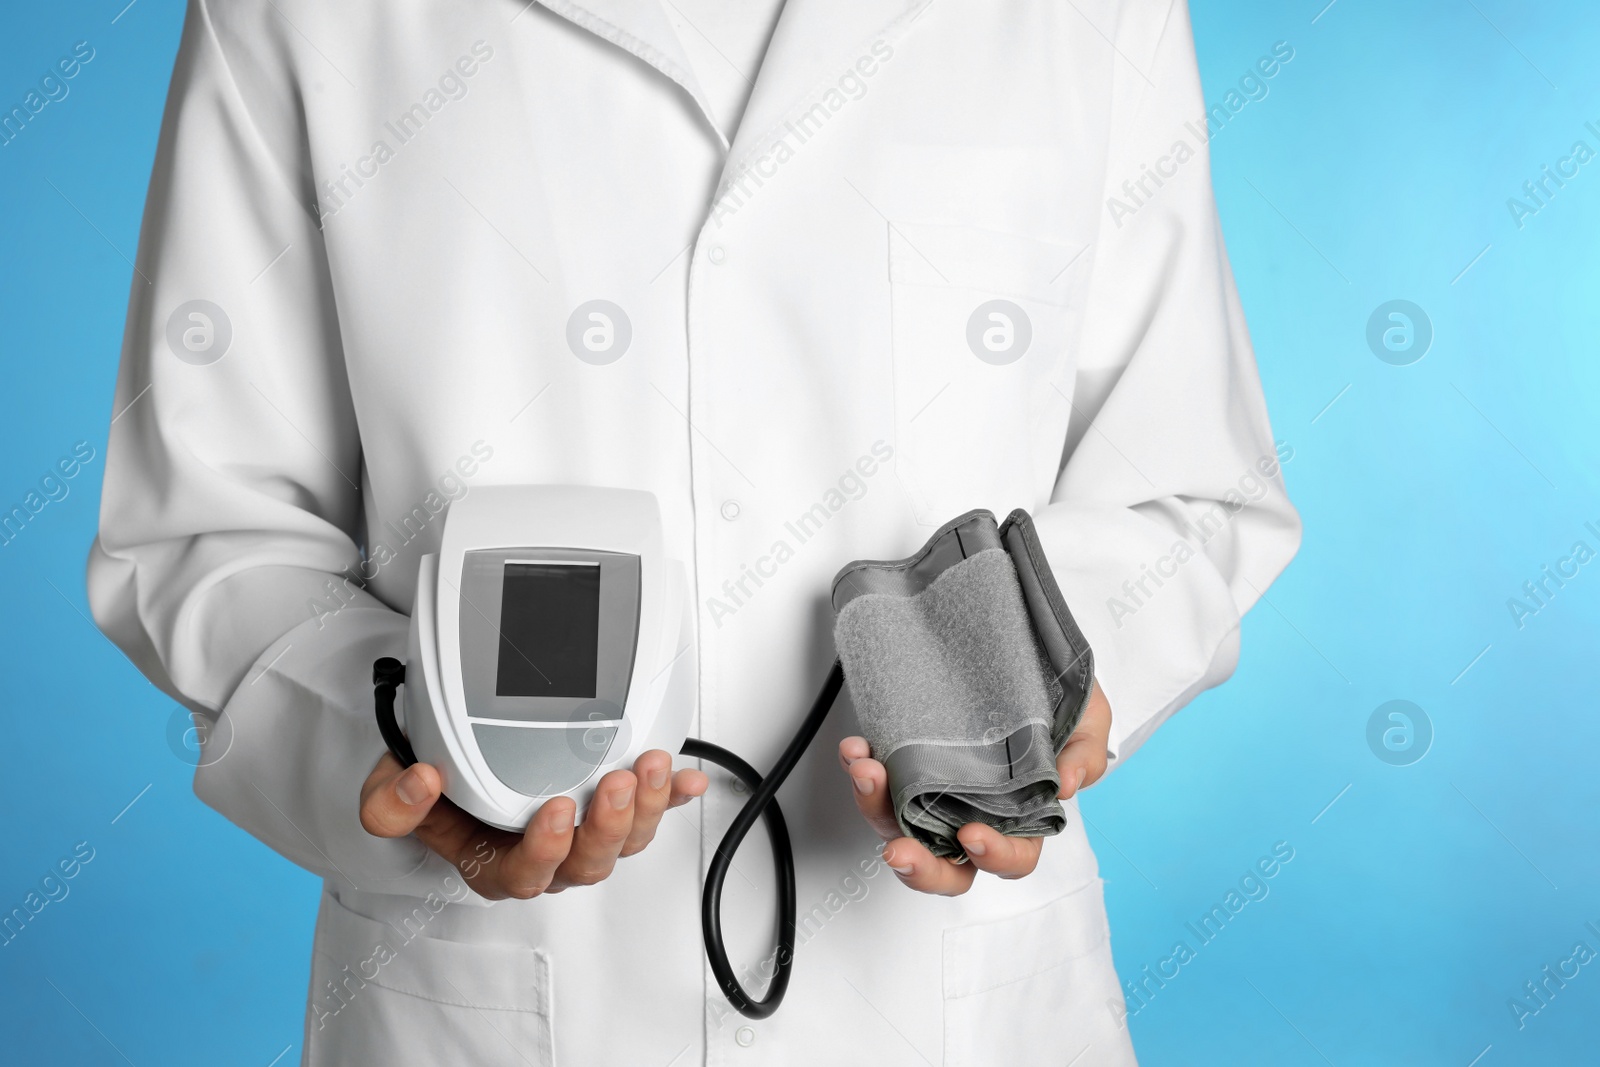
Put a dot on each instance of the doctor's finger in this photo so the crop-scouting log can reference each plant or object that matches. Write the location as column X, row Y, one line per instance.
column 870, row 784
column 527, row 865
column 852, row 749
column 598, row 842
column 688, row 784
column 1008, row 857
column 920, row 869
column 1082, row 763
column 395, row 800
column 683, row 787
column 654, row 773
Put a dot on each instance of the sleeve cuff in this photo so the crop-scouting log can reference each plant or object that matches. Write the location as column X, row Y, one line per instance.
column 1155, row 645
column 296, row 741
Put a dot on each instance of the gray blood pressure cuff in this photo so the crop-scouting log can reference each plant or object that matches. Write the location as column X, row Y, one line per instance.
column 968, row 675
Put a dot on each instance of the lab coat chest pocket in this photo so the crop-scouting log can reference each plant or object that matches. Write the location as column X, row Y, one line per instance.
column 382, row 995
column 982, row 323
column 1036, row 988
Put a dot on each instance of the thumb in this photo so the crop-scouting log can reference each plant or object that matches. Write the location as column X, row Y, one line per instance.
column 395, row 800
column 1083, row 759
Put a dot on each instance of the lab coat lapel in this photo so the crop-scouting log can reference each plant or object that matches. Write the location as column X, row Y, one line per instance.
column 813, row 45
column 642, row 28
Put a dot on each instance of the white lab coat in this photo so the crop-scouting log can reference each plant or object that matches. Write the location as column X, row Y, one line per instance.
column 402, row 210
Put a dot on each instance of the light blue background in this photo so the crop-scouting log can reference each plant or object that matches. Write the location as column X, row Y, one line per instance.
column 1416, row 905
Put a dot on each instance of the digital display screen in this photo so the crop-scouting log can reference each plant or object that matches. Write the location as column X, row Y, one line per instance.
column 549, row 630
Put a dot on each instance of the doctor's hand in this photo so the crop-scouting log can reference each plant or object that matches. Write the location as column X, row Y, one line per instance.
column 1082, row 762
column 550, row 855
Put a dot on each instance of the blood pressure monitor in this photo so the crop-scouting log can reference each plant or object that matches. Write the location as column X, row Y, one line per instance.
column 550, row 643
column 548, row 646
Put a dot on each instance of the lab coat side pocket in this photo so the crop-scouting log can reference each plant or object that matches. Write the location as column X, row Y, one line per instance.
column 981, row 324
column 1035, row 988
column 390, row 995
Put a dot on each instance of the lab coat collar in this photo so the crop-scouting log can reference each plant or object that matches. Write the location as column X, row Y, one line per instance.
column 815, row 42
column 642, row 28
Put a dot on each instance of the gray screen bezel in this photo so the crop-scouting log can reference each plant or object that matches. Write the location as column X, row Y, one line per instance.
column 482, row 585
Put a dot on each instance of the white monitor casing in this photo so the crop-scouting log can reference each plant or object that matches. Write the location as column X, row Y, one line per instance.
column 476, row 748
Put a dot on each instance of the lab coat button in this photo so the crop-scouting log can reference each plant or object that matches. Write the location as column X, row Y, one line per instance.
column 745, row 1036
column 730, row 509
column 716, row 255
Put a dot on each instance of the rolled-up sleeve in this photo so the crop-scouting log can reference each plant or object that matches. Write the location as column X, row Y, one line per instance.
column 1169, row 518
column 232, row 496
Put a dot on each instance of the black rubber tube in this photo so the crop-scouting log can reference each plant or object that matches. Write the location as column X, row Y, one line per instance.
column 761, row 803
column 389, row 673
column 717, row 874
